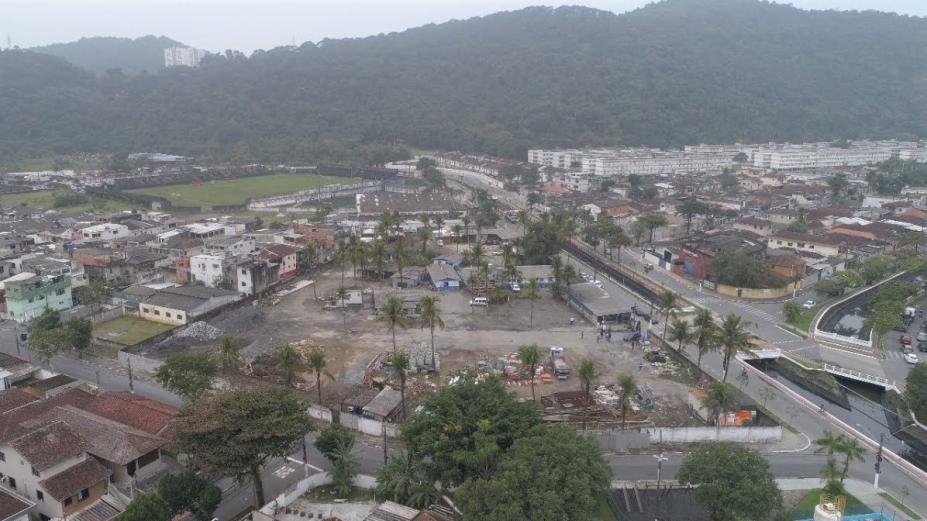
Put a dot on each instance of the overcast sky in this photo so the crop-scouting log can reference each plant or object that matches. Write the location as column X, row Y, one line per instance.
column 217, row 25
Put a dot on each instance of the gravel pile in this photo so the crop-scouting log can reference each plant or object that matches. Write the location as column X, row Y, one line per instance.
column 199, row 331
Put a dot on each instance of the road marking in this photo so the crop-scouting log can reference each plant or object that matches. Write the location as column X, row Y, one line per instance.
column 284, row 471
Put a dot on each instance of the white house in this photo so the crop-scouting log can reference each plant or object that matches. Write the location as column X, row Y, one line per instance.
column 209, row 268
column 105, row 232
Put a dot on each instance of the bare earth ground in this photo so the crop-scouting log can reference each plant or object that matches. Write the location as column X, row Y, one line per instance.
column 470, row 334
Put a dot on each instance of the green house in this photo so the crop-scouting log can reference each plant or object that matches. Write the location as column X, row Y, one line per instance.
column 27, row 297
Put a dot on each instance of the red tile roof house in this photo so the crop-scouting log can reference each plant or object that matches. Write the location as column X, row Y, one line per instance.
column 281, row 254
column 64, row 452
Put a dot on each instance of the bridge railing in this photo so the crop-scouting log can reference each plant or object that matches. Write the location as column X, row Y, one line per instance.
column 858, row 375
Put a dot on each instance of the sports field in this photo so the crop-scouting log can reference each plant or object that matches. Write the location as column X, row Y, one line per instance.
column 128, row 331
column 46, row 199
column 237, row 191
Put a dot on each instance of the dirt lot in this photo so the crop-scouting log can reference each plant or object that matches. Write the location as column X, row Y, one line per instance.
column 471, row 334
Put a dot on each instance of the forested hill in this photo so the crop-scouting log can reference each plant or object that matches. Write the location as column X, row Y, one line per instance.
column 674, row 72
column 101, row 54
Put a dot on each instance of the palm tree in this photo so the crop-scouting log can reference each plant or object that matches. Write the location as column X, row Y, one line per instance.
column 618, row 239
column 439, row 224
column 342, row 295
column 733, row 339
column 476, row 254
column 830, row 472
column 431, row 318
column 719, row 399
column 705, row 333
column 829, row 443
column 403, row 479
column 524, row 218
column 851, row 450
column 424, row 234
column 532, row 293
column 395, row 315
column 466, row 223
column 588, row 374
column 378, row 256
column 341, row 254
column 400, row 255
column 626, row 387
column 667, row 303
column 399, row 362
column 530, row 357
column 680, row 333
column 316, row 361
column 354, row 253
column 457, row 229
column 228, row 352
column 288, row 360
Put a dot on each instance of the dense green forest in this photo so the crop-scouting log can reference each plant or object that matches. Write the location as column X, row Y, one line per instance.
column 671, row 73
column 102, row 54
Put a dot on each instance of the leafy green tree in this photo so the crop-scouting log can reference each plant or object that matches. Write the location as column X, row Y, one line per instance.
column 830, row 287
column 80, row 334
column 344, row 466
column 588, row 373
column 228, row 352
column 652, row 221
column 627, row 388
column 736, row 268
column 885, row 316
column 188, row 374
column 48, row 343
column 554, row 475
column 234, row 433
column 395, row 315
column 403, row 479
column 148, row 507
column 719, row 399
column 792, row 311
column 733, row 483
column 530, row 357
column 464, row 429
column 733, row 338
column 431, row 318
column 289, row 361
column 877, row 268
column 315, row 360
column 47, row 320
column 331, row 437
column 689, row 209
column 916, row 390
column 186, row 492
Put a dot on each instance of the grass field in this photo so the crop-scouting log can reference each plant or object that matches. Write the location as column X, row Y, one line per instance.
column 237, row 191
column 46, row 199
column 129, row 331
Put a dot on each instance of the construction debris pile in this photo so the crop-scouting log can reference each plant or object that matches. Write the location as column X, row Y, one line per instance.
column 602, row 407
column 378, row 374
column 199, row 331
column 267, row 366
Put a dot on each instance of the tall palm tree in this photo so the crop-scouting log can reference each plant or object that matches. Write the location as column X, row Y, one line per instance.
column 532, row 292
column 705, row 333
column 457, row 229
column 316, row 361
column 395, row 315
column 719, row 399
column 617, row 240
column 530, row 357
column 851, row 450
column 354, row 253
column 400, row 255
column 627, row 387
column 476, row 254
column 466, row 224
column 288, row 360
column 424, row 235
column 830, row 472
column 524, row 218
column 588, row 373
column 439, row 224
column 342, row 295
column 228, row 352
column 431, row 318
column 403, row 479
column 680, row 333
column 733, row 339
column 378, row 256
column 667, row 303
column 399, row 362
column 341, row 255
column 828, row 443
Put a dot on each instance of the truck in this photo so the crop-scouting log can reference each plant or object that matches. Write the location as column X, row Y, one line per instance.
column 558, row 365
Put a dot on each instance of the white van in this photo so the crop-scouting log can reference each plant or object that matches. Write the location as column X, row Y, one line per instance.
column 479, row 301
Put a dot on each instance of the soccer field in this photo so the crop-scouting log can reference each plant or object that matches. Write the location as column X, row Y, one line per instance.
column 237, row 191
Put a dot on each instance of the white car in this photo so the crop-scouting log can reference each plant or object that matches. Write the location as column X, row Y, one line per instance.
column 598, row 284
column 516, row 287
column 808, row 304
column 910, row 358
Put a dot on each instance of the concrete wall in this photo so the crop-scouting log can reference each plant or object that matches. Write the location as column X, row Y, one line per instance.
column 320, row 413
column 139, row 363
column 304, row 485
column 697, row 434
column 757, row 294
column 368, row 426
column 620, row 440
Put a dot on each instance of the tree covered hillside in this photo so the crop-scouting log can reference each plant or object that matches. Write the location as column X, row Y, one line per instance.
column 101, row 54
column 671, row 73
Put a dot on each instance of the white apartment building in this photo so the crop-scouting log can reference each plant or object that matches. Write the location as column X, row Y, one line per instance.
column 105, row 232
column 825, row 155
column 183, row 56
column 209, row 268
column 638, row 161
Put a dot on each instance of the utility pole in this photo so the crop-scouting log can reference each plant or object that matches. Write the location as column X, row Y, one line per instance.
column 660, row 459
column 131, row 383
column 878, row 463
column 385, row 441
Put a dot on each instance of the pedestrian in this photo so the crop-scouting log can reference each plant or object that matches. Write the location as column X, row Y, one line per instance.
column 598, row 338
column 640, row 365
column 582, row 334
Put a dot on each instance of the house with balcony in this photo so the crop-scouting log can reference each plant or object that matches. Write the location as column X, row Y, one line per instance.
column 28, row 295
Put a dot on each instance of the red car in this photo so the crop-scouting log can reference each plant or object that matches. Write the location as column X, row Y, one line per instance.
column 906, row 340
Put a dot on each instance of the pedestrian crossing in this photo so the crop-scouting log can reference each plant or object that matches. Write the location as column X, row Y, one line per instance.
column 896, row 354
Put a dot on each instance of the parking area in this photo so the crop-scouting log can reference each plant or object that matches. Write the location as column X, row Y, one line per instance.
column 900, row 357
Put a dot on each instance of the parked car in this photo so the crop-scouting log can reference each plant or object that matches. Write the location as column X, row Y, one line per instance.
column 808, row 304
column 906, row 340
column 516, row 287
column 922, row 346
column 479, row 301
column 910, row 358
column 922, row 336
